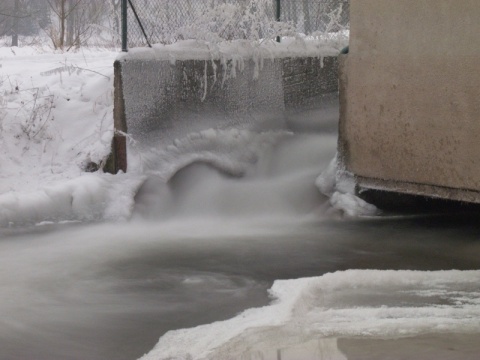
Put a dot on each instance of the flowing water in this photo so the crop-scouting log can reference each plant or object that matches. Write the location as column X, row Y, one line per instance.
column 209, row 243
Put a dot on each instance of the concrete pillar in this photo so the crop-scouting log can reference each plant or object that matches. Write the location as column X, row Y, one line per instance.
column 410, row 119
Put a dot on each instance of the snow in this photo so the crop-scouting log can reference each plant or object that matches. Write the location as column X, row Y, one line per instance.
column 353, row 303
column 55, row 119
column 300, row 46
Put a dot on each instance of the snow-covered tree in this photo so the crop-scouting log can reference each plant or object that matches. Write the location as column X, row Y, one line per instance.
column 16, row 19
column 74, row 22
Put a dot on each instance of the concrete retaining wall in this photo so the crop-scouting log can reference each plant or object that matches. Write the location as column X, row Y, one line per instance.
column 410, row 109
column 307, row 79
column 157, row 101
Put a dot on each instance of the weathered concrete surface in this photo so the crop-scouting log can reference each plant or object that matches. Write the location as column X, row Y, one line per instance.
column 410, row 109
column 306, row 79
column 157, row 101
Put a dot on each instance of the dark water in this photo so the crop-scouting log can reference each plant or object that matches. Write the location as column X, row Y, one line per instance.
column 109, row 291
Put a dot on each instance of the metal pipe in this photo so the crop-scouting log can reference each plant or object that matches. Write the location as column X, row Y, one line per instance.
column 124, row 26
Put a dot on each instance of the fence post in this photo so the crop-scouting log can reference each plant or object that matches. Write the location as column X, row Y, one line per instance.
column 124, row 26
column 278, row 15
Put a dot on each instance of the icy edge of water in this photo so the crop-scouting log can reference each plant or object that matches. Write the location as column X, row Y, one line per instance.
column 339, row 186
column 365, row 303
column 89, row 197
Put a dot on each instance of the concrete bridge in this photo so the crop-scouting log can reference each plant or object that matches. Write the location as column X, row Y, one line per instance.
column 410, row 98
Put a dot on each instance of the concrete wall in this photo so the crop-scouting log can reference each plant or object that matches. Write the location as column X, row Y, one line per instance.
column 157, row 101
column 410, row 109
column 305, row 79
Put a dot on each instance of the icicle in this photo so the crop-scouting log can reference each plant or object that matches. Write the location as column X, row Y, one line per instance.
column 224, row 63
column 214, row 66
column 205, row 82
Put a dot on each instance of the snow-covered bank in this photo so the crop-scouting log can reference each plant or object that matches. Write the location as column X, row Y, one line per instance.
column 353, row 303
column 55, row 120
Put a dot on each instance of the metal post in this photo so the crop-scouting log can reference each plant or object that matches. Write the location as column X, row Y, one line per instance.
column 124, row 26
column 279, row 13
column 139, row 22
column 15, row 23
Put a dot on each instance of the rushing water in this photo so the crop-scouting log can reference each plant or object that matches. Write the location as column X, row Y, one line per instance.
column 208, row 245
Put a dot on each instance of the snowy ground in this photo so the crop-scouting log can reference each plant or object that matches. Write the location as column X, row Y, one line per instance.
column 55, row 119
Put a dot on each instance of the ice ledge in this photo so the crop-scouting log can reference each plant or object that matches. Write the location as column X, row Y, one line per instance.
column 327, row 45
column 408, row 188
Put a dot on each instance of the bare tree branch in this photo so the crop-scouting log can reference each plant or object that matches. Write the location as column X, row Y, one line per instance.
column 54, row 8
column 15, row 16
column 72, row 9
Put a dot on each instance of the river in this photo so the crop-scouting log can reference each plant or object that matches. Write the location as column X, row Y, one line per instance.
column 209, row 244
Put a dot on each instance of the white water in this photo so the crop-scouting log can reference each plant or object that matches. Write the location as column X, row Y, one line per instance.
column 278, row 184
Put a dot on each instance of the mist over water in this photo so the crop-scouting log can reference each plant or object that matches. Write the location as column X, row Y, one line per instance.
column 222, row 215
column 279, row 184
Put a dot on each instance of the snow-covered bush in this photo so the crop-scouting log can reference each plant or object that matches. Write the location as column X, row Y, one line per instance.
column 167, row 21
column 252, row 20
column 334, row 26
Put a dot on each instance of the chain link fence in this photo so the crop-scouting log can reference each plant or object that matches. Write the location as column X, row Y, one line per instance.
column 167, row 21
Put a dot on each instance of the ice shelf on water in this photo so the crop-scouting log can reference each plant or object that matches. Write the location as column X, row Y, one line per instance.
column 368, row 304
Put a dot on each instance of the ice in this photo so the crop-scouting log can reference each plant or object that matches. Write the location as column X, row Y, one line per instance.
column 326, row 181
column 339, row 186
column 327, row 45
column 353, row 303
column 238, row 51
column 231, row 150
column 89, row 197
column 352, row 205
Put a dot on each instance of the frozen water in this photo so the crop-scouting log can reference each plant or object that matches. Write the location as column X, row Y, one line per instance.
column 355, row 303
